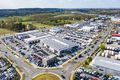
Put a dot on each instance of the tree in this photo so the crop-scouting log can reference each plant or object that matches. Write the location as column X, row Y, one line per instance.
column 102, row 46
column 89, row 59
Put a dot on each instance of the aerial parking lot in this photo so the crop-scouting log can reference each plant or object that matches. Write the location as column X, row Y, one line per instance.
column 63, row 49
column 91, row 74
column 7, row 71
column 53, row 47
column 60, row 40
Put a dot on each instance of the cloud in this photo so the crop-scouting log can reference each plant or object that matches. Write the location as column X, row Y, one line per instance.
column 59, row 3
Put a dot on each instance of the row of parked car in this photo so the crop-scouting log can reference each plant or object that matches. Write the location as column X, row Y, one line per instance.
column 90, row 74
column 15, row 45
column 8, row 72
column 3, row 62
column 33, row 58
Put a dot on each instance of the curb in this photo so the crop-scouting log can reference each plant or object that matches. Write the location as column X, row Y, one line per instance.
column 48, row 73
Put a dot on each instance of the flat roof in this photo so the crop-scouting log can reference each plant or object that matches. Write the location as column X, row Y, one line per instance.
column 28, row 32
column 56, row 29
column 93, row 24
column 107, row 63
column 116, row 35
column 115, row 19
column 49, row 57
column 58, row 43
column 37, row 38
column 38, row 34
column 73, row 25
column 87, row 28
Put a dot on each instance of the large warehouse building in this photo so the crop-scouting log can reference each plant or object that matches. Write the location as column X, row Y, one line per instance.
column 52, row 43
column 107, row 64
column 31, row 37
column 59, row 45
column 35, row 39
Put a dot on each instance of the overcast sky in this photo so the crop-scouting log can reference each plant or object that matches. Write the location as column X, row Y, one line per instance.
column 13, row 4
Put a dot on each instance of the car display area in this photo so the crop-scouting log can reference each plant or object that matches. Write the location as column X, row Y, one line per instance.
column 7, row 71
column 90, row 74
column 52, row 47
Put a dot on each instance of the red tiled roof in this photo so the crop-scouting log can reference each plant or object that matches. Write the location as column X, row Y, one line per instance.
column 116, row 35
column 116, row 22
column 94, row 78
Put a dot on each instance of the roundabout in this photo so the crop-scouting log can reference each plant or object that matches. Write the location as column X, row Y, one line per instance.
column 47, row 76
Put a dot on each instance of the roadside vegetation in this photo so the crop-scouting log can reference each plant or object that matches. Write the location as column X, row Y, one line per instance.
column 102, row 46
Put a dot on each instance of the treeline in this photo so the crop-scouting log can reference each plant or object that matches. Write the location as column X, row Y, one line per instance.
column 56, row 19
column 29, row 11
column 15, row 24
column 101, row 11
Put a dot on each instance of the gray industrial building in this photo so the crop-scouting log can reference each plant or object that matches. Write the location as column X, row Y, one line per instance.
column 49, row 59
column 59, row 45
column 56, row 30
column 53, row 43
column 107, row 64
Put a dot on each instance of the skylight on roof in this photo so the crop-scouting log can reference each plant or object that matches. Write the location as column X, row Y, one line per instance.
column 60, row 42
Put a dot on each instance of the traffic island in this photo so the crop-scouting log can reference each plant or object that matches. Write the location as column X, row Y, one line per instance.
column 47, row 76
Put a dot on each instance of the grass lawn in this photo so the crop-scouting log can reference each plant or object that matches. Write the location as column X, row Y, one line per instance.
column 64, row 15
column 46, row 76
column 39, row 25
column 5, row 31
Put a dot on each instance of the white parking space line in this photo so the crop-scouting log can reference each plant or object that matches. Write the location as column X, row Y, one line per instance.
column 16, row 56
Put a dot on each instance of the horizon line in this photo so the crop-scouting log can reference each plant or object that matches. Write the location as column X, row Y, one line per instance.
column 54, row 8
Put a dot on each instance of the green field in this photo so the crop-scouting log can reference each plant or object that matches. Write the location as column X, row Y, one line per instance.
column 64, row 15
column 39, row 25
column 5, row 31
column 46, row 76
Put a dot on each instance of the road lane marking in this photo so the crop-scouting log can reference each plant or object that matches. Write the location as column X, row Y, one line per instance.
column 28, row 70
